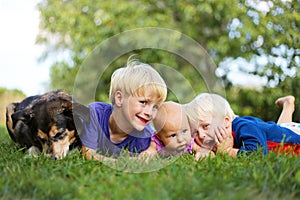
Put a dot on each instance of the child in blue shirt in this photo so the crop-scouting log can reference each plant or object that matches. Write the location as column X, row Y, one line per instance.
column 213, row 119
column 136, row 92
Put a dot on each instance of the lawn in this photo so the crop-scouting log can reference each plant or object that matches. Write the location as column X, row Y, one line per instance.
column 253, row 177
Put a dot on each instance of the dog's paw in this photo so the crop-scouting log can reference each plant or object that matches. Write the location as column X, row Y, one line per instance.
column 33, row 152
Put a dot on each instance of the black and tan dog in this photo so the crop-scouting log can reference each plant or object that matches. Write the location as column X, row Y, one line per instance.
column 46, row 123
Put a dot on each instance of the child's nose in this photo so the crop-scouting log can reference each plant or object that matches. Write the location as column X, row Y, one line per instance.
column 201, row 134
column 148, row 111
column 180, row 138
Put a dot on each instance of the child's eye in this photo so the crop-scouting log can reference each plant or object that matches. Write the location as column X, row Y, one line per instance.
column 173, row 135
column 155, row 107
column 184, row 131
column 205, row 126
column 143, row 102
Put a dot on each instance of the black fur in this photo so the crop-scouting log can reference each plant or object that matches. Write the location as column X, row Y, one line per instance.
column 40, row 113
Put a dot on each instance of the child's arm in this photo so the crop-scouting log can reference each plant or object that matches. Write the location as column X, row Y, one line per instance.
column 225, row 147
column 201, row 152
column 150, row 151
column 91, row 154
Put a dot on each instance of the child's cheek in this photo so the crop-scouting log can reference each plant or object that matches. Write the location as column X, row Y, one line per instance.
column 154, row 115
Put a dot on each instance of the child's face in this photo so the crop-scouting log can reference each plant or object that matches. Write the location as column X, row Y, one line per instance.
column 204, row 130
column 140, row 110
column 176, row 134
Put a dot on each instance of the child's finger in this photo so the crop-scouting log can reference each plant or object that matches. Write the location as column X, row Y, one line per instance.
column 220, row 134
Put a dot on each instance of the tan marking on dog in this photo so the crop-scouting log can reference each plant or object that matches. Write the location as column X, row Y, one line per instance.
column 53, row 131
column 60, row 147
column 71, row 135
column 42, row 135
column 10, row 110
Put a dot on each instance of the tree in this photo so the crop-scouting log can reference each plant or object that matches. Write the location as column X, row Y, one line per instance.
column 233, row 29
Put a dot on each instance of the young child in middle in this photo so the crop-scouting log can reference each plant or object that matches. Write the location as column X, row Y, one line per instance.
column 173, row 135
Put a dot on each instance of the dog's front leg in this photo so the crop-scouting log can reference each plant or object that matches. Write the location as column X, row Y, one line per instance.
column 33, row 151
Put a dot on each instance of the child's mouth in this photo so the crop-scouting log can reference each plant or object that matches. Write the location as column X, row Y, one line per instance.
column 181, row 148
column 145, row 121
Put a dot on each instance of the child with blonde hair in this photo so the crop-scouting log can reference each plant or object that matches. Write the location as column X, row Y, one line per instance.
column 212, row 117
column 173, row 135
column 136, row 93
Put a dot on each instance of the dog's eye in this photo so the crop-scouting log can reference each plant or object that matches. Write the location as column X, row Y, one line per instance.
column 43, row 139
column 60, row 136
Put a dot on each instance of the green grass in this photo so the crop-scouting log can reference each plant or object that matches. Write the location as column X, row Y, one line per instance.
column 253, row 177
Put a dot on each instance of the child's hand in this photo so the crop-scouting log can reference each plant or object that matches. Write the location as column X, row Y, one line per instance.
column 221, row 134
column 224, row 140
column 150, row 152
column 203, row 153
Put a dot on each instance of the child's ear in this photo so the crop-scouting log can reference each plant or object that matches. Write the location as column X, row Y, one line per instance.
column 227, row 121
column 118, row 98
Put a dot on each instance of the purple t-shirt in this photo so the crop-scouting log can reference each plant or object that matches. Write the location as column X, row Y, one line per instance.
column 96, row 133
column 160, row 146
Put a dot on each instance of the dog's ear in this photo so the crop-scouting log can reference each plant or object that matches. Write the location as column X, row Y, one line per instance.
column 10, row 109
column 82, row 112
column 24, row 115
column 81, row 116
column 78, row 110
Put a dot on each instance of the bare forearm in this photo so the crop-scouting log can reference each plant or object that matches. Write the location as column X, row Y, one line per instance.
column 91, row 154
column 201, row 152
column 232, row 152
column 150, row 151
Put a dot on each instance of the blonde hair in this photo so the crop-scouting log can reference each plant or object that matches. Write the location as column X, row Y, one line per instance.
column 135, row 79
column 208, row 105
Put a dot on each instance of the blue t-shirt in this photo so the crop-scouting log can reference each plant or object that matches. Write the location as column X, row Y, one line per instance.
column 96, row 133
column 251, row 133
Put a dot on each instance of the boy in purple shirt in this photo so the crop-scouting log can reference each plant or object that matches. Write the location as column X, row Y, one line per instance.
column 136, row 92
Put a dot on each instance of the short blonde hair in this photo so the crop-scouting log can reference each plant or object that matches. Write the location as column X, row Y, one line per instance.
column 206, row 105
column 135, row 78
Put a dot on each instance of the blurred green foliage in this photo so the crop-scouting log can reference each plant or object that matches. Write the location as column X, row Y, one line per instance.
column 16, row 92
column 71, row 30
